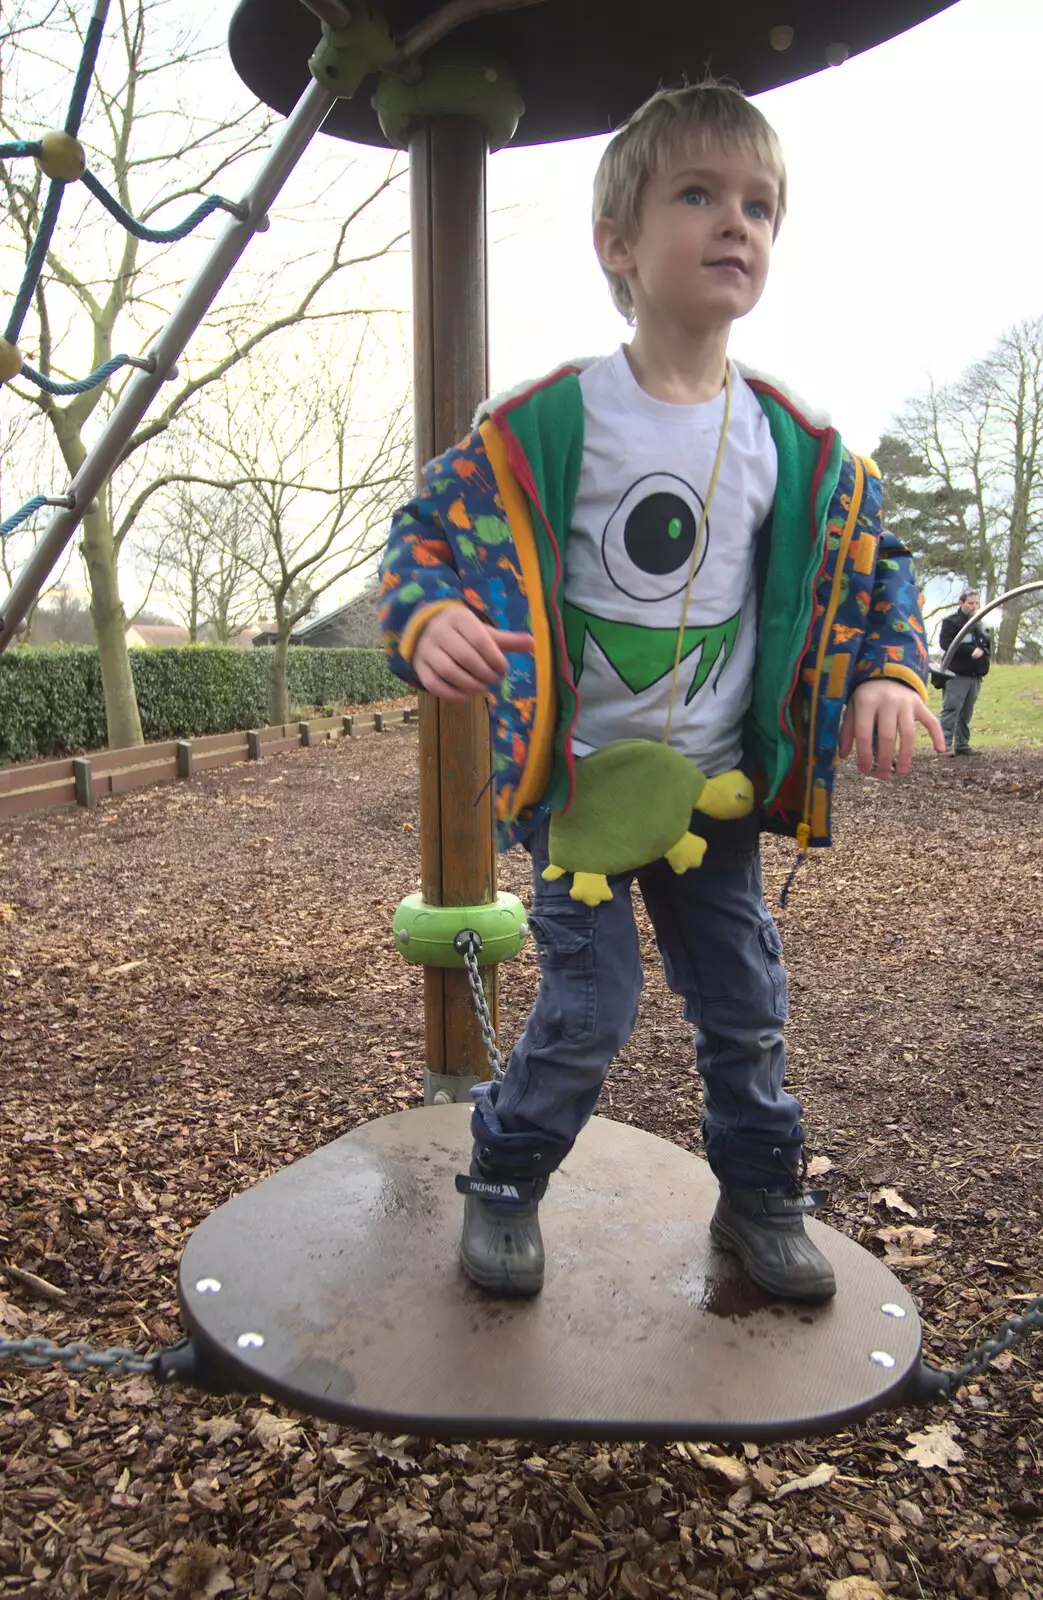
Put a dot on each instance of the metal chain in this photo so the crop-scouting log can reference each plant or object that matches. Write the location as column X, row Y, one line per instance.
column 469, row 945
column 39, row 1352
column 1007, row 1335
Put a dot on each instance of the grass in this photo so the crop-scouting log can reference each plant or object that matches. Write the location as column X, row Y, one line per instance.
column 1009, row 709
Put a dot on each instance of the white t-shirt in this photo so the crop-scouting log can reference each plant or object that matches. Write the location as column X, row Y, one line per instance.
column 646, row 465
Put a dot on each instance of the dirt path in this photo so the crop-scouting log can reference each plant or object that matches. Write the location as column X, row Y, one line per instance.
column 197, row 985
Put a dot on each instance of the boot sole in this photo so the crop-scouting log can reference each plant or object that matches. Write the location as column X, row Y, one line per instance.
column 518, row 1287
column 785, row 1289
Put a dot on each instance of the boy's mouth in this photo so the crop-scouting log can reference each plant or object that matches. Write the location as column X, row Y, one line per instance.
column 729, row 261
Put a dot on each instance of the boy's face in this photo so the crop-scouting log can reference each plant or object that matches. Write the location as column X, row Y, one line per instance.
column 702, row 252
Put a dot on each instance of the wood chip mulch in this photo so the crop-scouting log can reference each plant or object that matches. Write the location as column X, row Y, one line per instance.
column 197, row 985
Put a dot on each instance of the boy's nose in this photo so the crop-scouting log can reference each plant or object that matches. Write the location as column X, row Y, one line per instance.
column 733, row 221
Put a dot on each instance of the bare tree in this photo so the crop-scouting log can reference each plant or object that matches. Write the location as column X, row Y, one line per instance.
column 153, row 150
column 964, row 470
column 201, row 551
column 317, row 467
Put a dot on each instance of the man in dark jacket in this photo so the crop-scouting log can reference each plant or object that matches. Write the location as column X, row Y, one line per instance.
column 970, row 664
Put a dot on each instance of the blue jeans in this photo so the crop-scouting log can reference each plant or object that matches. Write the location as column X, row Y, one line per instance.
column 721, row 953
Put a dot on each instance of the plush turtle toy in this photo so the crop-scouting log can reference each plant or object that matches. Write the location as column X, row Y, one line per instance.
column 633, row 804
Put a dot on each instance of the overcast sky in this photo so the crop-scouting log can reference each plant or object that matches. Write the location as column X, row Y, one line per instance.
column 914, row 233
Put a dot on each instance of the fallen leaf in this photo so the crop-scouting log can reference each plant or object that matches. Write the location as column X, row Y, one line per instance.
column 902, row 1240
column 818, row 1544
column 818, row 1165
column 816, row 1479
column 726, row 1467
column 894, row 1202
column 218, row 1429
column 934, row 1446
column 275, row 1433
column 391, row 1450
column 854, row 1589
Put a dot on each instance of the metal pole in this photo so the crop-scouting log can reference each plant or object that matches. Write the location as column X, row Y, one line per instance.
column 457, row 856
column 304, row 120
column 1011, row 594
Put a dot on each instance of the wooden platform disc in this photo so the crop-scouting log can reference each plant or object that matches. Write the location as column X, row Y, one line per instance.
column 344, row 1265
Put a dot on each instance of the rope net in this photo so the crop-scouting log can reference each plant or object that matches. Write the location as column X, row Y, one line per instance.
column 61, row 158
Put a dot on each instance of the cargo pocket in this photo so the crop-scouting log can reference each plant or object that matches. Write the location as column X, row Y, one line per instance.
column 771, row 948
column 564, row 942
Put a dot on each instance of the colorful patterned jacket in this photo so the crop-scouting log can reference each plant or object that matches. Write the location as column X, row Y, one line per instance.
column 837, row 598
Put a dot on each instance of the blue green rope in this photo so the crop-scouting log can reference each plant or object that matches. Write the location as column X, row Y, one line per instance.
column 88, row 56
column 37, row 502
column 213, row 202
column 20, row 147
column 77, row 385
column 38, row 254
column 34, row 262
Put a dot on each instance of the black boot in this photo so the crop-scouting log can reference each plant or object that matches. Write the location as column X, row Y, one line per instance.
column 766, row 1231
column 501, row 1247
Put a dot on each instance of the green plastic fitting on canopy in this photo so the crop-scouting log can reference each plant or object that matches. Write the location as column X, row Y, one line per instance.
column 459, row 80
column 344, row 56
column 426, row 934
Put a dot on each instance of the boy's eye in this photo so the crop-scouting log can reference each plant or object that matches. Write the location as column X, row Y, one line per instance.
column 693, row 196
column 760, row 210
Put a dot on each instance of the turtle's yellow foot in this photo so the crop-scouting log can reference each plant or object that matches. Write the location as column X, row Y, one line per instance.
column 687, row 852
column 550, row 873
column 590, row 887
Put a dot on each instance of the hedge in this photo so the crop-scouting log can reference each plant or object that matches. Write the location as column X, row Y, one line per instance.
column 51, row 700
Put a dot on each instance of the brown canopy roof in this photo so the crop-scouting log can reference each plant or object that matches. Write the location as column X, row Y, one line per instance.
column 584, row 66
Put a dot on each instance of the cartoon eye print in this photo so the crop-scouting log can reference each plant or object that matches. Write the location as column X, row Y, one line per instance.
column 649, row 538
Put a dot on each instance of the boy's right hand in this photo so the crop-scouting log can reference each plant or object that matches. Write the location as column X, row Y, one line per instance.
column 458, row 655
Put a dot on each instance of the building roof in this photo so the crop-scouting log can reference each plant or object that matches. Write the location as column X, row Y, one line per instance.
column 364, row 602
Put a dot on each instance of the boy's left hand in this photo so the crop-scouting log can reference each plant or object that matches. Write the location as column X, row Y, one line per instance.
column 880, row 714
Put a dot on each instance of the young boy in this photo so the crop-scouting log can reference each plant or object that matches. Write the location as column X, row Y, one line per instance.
column 707, row 561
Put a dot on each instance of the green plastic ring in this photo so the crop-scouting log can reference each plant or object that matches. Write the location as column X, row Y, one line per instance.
column 425, row 933
column 459, row 80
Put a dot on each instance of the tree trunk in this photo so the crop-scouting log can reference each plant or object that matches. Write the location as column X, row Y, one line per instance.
column 122, row 721
column 278, row 693
column 1007, row 637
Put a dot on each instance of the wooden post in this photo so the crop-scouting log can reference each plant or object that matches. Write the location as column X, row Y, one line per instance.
column 378, row 722
column 450, row 319
column 347, row 726
column 305, row 728
column 253, row 744
column 185, row 764
column 81, row 771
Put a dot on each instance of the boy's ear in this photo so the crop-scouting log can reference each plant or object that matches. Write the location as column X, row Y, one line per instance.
column 614, row 252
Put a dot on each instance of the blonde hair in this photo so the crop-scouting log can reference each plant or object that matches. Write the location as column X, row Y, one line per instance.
column 712, row 112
